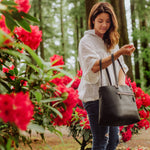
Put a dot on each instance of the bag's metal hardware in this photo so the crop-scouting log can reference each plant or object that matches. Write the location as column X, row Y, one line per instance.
column 125, row 93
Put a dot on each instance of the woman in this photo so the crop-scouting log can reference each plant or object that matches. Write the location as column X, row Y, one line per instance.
column 98, row 43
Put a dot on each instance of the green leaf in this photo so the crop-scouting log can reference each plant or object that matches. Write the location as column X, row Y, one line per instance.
column 16, row 54
column 29, row 17
column 38, row 96
column 10, row 23
column 61, row 70
column 6, row 2
column 24, row 24
column 11, row 72
column 33, row 67
column 51, row 100
column 16, row 71
column 55, row 110
column 64, row 95
column 8, row 145
column 58, row 75
column 1, row 67
column 36, row 128
column 32, row 53
column 5, row 85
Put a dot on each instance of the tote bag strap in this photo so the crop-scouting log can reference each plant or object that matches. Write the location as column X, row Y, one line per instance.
column 114, row 68
column 108, row 75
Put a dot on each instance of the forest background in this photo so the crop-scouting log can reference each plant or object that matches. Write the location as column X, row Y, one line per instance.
column 50, row 75
column 63, row 23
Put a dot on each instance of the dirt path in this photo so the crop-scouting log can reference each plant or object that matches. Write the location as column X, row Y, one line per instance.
column 138, row 142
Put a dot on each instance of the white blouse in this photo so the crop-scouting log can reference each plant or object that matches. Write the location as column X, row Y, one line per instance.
column 92, row 48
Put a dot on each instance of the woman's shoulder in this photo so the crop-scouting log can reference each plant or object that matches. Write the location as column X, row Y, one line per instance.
column 89, row 37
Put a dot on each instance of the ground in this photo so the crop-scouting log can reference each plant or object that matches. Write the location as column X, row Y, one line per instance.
column 54, row 142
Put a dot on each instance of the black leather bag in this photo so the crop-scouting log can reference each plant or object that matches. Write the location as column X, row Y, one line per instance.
column 117, row 105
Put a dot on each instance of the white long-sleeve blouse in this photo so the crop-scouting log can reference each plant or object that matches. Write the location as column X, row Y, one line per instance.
column 92, row 48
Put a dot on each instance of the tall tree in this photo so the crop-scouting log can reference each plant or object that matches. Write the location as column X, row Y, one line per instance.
column 135, row 42
column 119, row 8
column 62, row 30
column 89, row 4
column 41, row 28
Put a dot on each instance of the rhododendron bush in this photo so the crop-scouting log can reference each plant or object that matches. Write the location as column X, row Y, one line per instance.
column 31, row 97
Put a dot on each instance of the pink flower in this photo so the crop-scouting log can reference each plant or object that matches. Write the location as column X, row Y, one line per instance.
column 23, row 5
column 32, row 39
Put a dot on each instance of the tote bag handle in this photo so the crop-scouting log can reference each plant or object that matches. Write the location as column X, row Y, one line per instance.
column 114, row 69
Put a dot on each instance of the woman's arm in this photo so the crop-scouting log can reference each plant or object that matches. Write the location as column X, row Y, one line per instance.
column 125, row 50
column 121, row 78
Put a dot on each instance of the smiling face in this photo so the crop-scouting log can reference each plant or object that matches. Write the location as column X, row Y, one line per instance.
column 101, row 24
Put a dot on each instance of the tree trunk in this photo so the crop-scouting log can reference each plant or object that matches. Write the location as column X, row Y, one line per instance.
column 88, row 5
column 62, row 31
column 41, row 28
column 144, row 45
column 136, row 52
column 119, row 8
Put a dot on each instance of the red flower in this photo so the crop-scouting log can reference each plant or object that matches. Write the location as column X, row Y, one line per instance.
column 138, row 103
column 58, row 60
column 121, row 128
column 23, row 82
column 23, row 110
column 81, row 112
column 6, row 70
column 144, row 114
column 32, row 39
column 57, row 81
column 66, row 80
column 16, row 108
column 20, row 51
column 126, row 136
column 145, row 100
column 6, row 109
column 79, row 103
column 79, row 73
column 143, row 123
column 23, row 5
column 85, row 123
column 3, row 25
column 76, row 83
column 70, row 103
column 12, row 77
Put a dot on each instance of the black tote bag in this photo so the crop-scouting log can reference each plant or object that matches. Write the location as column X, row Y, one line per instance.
column 117, row 105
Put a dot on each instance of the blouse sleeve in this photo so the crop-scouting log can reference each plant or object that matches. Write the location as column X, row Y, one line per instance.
column 87, row 58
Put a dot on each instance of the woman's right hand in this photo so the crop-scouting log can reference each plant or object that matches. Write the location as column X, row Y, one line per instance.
column 127, row 49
